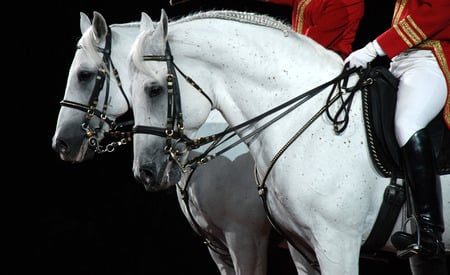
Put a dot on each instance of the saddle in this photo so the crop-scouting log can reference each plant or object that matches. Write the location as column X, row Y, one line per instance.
column 379, row 100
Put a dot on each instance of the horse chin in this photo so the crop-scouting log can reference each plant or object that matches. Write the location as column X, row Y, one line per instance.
column 170, row 175
column 84, row 153
column 88, row 155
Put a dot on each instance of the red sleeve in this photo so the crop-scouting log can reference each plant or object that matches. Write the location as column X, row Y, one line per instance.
column 415, row 22
column 336, row 24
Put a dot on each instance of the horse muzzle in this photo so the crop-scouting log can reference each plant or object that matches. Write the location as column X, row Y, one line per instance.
column 157, row 180
column 72, row 152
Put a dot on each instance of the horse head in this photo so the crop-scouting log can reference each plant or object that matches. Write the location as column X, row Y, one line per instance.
column 90, row 105
column 157, row 108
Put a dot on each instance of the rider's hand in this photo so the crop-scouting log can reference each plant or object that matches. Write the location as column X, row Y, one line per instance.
column 363, row 56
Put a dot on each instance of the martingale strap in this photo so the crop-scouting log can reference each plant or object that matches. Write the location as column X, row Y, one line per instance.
column 334, row 95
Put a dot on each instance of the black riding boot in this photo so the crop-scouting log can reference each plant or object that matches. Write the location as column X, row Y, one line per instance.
column 424, row 182
column 425, row 265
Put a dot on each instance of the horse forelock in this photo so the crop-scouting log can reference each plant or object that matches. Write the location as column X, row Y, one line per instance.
column 138, row 52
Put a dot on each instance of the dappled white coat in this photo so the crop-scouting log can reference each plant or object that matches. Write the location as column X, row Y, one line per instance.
column 324, row 187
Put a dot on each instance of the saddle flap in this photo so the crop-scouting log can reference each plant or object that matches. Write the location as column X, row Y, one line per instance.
column 379, row 101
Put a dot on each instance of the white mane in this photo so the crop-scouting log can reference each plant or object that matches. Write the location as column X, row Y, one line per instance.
column 137, row 52
column 239, row 16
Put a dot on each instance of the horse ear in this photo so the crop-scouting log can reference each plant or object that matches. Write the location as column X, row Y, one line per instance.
column 99, row 26
column 85, row 22
column 146, row 22
column 163, row 26
column 164, row 22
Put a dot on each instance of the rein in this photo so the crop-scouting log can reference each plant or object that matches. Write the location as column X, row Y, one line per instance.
column 339, row 125
column 91, row 109
column 176, row 135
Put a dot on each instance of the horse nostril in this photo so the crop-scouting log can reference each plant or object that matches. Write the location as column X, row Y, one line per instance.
column 61, row 147
column 147, row 175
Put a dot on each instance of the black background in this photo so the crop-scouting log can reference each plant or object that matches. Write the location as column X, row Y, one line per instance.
column 93, row 217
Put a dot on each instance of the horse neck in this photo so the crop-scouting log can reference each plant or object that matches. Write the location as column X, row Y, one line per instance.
column 123, row 36
column 250, row 68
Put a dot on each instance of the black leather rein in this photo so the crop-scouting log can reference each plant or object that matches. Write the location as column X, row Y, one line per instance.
column 175, row 135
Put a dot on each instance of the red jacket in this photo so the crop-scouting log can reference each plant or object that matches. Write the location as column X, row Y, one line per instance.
column 422, row 24
column 332, row 23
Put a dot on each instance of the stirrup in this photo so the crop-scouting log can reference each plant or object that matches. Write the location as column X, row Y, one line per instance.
column 407, row 244
column 416, row 243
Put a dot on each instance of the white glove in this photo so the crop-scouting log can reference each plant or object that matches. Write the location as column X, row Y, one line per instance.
column 361, row 57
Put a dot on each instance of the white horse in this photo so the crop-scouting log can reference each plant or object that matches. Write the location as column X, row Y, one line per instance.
column 231, row 220
column 324, row 188
column 94, row 96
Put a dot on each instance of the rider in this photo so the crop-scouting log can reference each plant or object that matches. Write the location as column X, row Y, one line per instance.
column 333, row 24
column 418, row 44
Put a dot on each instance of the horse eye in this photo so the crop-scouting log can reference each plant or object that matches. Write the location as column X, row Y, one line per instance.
column 84, row 76
column 153, row 90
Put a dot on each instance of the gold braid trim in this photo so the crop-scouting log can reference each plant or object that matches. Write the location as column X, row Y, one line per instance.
column 409, row 31
column 301, row 14
column 417, row 29
column 398, row 10
column 400, row 33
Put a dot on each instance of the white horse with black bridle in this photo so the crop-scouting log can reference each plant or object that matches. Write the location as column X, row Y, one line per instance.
column 320, row 188
column 219, row 201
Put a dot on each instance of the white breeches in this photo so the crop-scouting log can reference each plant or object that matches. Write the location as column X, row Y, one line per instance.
column 422, row 91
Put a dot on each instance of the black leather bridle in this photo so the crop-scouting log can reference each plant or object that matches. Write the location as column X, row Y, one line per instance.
column 92, row 134
column 174, row 130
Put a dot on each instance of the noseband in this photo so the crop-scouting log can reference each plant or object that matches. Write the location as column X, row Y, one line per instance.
column 91, row 110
